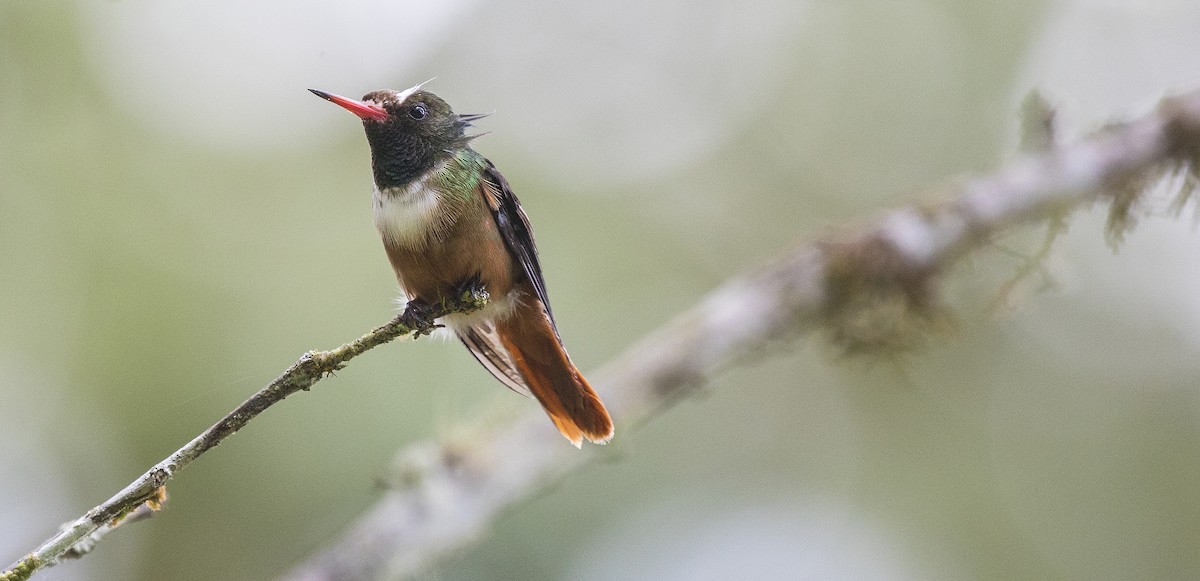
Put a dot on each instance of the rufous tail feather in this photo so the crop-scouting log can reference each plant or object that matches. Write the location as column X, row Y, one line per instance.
column 566, row 396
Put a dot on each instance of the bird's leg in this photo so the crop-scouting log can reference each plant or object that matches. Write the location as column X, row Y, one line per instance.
column 419, row 315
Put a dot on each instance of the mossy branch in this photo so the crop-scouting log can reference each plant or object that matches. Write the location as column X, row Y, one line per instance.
column 869, row 290
column 147, row 492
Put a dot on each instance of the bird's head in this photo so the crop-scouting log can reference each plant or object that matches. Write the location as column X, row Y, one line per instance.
column 409, row 131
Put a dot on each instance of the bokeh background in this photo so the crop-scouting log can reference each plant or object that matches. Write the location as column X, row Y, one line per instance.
column 180, row 219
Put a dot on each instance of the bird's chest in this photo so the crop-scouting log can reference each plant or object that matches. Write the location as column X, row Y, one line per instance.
column 410, row 216
column 435, row 243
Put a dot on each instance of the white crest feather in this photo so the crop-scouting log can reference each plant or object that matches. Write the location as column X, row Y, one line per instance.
column 406, row 93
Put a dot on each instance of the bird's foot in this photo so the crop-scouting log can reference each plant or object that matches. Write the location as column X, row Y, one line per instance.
column 420, row 317
column 470, row 294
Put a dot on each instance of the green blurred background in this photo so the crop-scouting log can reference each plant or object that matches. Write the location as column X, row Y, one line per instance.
column 180, row 219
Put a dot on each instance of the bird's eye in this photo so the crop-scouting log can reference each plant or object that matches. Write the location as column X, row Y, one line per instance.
column 418, row 112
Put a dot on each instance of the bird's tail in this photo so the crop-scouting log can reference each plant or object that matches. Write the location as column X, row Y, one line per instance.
column 540, row 358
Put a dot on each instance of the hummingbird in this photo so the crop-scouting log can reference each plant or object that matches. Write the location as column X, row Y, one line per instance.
column 450, row 223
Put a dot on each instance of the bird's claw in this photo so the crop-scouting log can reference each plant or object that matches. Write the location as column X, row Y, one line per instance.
column 471, row 293
column 420, row 317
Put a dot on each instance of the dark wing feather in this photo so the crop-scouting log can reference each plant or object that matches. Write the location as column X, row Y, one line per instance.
column 482, row 342
column 514, row 228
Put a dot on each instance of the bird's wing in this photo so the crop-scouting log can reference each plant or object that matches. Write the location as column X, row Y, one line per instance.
column 482, row 340
column 514, row 228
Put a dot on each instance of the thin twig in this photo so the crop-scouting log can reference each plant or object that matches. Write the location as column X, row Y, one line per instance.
column 77, row 537
column 443, row 494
